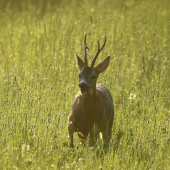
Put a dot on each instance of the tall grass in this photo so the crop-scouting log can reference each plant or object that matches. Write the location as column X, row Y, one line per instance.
column 39, row 81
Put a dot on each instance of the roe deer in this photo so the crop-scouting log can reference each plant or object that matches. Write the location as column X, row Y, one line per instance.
column 92, row 110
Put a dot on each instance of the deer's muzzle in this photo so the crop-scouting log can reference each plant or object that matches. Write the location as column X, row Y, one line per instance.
column 84, row 88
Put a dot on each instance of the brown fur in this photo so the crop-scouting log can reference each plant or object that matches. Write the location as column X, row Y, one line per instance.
column 92, row 112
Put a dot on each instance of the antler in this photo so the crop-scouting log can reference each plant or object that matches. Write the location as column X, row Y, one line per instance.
column 85, row 54
column 98, row 51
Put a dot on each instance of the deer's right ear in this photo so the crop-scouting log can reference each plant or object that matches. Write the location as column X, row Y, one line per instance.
column 103, row 65
column 80, row 63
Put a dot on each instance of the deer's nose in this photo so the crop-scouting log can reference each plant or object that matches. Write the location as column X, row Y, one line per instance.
column 83, row 85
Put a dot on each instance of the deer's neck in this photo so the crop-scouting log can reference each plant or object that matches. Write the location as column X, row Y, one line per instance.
column 88, row 102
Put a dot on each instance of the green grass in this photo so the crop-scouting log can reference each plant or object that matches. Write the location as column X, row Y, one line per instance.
column 39, row 80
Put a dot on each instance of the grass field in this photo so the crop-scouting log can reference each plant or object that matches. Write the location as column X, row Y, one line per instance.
column 39, row 80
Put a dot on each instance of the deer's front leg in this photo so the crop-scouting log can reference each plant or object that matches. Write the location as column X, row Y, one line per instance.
column 71, row 129
column 105, row 134
column 94, row 133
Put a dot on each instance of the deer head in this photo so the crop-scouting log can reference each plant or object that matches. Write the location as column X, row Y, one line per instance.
column 88, row 74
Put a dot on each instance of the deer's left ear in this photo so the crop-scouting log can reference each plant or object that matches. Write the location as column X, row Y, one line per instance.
column 103, row 65
column 80, row 63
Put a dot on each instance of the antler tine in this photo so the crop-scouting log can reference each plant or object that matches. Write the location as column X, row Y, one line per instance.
column 85, row 54
column 98, row 51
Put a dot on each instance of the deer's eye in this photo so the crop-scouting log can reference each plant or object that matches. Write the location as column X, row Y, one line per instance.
column 93, row 77
column 79, row 75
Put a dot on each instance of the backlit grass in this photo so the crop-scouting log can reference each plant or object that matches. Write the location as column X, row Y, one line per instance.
column 39, row 80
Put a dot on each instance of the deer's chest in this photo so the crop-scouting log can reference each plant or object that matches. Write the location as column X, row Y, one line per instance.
column 84, row 119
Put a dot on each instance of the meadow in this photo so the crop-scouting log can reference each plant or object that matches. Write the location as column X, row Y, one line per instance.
column 39, row 80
